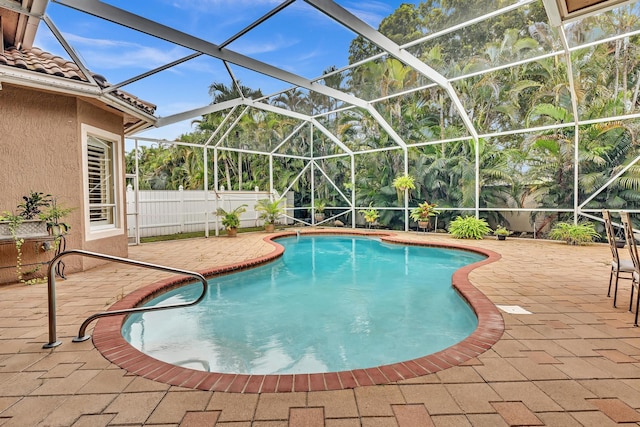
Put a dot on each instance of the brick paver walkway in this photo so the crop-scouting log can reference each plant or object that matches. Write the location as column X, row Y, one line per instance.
column 574, row 361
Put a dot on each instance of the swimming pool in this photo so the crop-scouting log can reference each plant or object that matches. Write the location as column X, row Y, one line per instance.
column 330, row 303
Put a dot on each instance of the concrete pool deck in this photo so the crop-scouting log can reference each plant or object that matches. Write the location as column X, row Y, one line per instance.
column 574, row 361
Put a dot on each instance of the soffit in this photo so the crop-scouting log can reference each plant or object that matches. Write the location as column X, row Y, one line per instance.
column 9, row 22
column 19, row 21
column 570, row 9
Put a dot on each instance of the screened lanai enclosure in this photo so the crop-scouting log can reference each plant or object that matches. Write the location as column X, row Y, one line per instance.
column 515, row 111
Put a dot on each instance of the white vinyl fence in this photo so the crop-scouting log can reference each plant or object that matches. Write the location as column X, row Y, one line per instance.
column 182, row 211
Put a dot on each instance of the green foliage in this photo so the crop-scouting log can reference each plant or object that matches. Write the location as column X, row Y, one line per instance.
column 14, row 223
column 469, row 227
column 404, row 182
column 424, row 211
column 538, row 166
column 574, row 234
column 13, row 220
column 319, row 205
column 501, row 231
column 54, row 214
column 231, row 219
column 269, row 210
column 370, row 215
column 30, row 207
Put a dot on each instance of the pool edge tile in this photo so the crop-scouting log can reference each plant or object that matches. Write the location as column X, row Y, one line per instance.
column 108, row 340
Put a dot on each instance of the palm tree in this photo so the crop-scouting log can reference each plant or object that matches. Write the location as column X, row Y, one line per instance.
column 221, row 92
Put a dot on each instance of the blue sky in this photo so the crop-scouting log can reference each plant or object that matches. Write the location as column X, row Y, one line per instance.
column 299, row 39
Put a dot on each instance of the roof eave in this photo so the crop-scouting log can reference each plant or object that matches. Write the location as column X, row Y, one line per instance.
column 65, row 86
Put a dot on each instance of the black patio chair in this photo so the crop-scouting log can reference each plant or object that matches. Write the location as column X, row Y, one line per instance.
column 633, row 251
column 620, row 268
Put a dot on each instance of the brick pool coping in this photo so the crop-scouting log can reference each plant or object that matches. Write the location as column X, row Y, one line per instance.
column 108, row 339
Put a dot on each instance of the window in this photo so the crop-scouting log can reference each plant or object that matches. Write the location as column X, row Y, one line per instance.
column 100, row 182
column 103, row 210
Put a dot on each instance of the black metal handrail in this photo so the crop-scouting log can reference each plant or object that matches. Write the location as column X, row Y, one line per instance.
column 53, row 342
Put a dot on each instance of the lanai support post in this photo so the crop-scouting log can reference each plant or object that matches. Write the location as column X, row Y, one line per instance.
column 215, row 184
column 271, row 175
column 206, row 190
column 353, row 190
column 476, row 144
column 313, row 183
column 406, row 191
column 136, row 192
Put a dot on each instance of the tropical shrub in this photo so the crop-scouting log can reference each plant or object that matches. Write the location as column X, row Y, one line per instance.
column 402, row 183
column 501, row 231
column 370, row 215
column 231, row 219
column 424, row 211
column 469, row 227
column 574, row 234
column 319, row 206
column 269, row 210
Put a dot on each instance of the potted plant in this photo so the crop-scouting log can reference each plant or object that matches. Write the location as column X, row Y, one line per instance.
column 574, row 234
column 501, row 232
column 620, row 241
column 469, row 227
column 27, row 212
column 24, row 224
column 319, row 207
column 423, row 212
column 370, row 215
column 9, row 223
column 231, row 219
column 14, row 225
column 269, row 212
column 53, row 216
column 403, row 183
column 31, row 207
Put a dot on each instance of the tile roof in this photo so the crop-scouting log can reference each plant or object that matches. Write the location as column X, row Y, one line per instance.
column 37, row 60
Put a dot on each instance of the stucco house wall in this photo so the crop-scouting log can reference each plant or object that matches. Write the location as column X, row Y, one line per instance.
column 41, row 150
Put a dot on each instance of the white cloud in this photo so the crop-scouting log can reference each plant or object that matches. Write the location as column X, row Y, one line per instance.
column 275, row 43
column 371, row 12
column 216, row 6
column 303, row 64
column 117, row 54
column 312, row 54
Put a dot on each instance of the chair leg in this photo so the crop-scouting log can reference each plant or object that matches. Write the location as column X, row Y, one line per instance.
column 610, row 281
column 637, row 307
column 615, row 289
column 631, row 299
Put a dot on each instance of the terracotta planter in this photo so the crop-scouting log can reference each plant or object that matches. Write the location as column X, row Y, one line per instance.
column 423, row 224
column 269, row 228
column 232, row 232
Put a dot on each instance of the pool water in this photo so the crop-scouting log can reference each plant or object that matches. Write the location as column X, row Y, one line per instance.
column 328, row 304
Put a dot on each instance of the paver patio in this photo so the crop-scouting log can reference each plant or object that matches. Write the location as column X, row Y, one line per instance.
column 574, row 361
